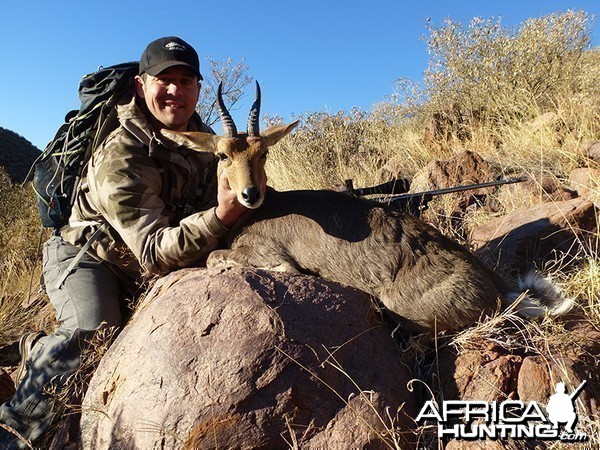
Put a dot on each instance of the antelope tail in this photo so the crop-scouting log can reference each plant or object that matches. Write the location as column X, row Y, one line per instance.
column 538, row 296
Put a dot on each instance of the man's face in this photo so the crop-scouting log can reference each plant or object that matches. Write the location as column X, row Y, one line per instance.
column 171, row 96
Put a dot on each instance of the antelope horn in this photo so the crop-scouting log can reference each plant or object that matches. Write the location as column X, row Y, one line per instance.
column 229, row 129
column 253, row 127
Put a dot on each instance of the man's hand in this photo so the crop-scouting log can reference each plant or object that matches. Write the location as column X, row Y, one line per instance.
column 229, row 210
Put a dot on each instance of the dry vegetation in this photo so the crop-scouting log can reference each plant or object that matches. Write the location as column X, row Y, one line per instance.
column 19, row 265
column 525, row 98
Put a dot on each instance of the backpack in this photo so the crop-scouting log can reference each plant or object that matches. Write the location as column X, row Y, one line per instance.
column 56, row 172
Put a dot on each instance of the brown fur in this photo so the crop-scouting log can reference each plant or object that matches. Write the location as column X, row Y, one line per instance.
column 427, row 281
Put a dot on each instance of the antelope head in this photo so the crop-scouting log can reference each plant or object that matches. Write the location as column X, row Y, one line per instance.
column 242, row 156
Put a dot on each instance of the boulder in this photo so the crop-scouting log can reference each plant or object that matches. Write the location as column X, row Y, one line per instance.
column 463, row 168
column 545, row 187
column 591, row 150
column 489, row 375
column 489, row 372
column 486, row 373
column 585, row 179
column 248, row 359
column 539, row 373
column 535, row 234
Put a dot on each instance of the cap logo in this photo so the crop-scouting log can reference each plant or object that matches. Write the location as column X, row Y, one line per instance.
column 173, row 46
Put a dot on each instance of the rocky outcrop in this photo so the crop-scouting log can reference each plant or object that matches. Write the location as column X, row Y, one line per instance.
column 489, row 372
column 585, row 179
column 16, row 154
column 591, row 150
column 461, row 169
column 539, row 233
column 248, row 359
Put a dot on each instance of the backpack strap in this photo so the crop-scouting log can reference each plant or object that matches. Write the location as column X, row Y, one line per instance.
column 93, row 238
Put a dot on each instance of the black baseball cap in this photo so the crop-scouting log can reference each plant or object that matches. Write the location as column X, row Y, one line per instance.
column 168, row 52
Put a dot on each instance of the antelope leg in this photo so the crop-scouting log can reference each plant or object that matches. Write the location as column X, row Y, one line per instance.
column 241, row 257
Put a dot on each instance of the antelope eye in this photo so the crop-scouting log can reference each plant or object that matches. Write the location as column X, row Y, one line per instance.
column 222, row 156
column 264, row 155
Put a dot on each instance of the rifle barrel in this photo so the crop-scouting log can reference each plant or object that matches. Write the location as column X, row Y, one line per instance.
column 450, row 190
column 578, row 390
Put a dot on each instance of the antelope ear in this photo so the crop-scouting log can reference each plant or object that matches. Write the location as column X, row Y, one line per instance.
column 194, row 140
column 273, row 135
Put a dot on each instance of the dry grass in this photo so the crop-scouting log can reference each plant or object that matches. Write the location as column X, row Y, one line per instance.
column 19, row 263
column 380, row 424
column 517, row 120
column 485, row 90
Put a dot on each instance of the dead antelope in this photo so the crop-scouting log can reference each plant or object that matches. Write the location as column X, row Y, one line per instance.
column 426, row 280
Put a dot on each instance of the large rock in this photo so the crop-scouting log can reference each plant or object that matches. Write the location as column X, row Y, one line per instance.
column 535, row 234
column 487, row 371
column 585, row 179
column 539, row 373
column 591, row 150
column 488, row 374
column 461, row 169
column 248, row 359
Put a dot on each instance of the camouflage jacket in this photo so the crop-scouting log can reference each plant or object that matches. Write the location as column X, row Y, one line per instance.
column 148, row 193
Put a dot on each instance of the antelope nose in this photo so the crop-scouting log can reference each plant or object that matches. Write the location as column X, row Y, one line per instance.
column 251, row 195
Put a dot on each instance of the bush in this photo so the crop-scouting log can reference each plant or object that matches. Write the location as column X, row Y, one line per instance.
column 19, row 266
column 19, row 220
column 506, row 71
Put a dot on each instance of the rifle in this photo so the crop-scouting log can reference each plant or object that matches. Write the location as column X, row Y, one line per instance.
column 395, row 186
column 576, row 392
column 417, row 202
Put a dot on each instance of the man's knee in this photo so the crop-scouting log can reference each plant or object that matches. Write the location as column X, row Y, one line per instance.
column 99, row 318
column 88, row 296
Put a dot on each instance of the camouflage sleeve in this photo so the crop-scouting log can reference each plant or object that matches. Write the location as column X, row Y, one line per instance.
column 126, row 188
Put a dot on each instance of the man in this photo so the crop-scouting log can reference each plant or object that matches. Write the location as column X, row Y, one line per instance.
column 136, row 211
column 561, row 408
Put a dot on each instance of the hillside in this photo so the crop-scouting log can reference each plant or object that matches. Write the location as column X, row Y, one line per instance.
column 16, row 154
column 494, row 103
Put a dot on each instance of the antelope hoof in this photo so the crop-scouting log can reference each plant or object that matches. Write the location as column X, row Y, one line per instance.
column 219, row 259
column 285, row 267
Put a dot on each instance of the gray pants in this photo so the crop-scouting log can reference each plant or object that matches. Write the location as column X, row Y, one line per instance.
column 88, row 299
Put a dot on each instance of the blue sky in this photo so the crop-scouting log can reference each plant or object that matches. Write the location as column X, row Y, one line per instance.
column 308, row 55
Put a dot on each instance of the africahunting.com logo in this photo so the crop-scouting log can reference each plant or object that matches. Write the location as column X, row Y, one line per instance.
column 510, row 419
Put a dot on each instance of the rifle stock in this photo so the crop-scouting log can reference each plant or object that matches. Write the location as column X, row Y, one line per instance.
column 395, row 186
